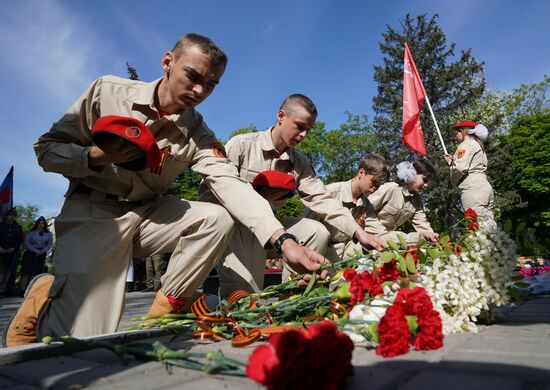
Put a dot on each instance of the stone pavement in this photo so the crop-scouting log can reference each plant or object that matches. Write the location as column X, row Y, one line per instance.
column 514, row 354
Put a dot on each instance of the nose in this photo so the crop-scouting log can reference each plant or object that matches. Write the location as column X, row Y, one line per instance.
column 198, row 89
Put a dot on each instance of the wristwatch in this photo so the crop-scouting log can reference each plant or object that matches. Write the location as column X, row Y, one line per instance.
column 279, row 242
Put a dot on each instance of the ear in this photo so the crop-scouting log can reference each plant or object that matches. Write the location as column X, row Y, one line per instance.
column 167, row 61
column 361, row 172
column 280, row 116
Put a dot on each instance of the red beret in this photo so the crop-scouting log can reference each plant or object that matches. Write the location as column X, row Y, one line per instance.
column 133, row 131
column 275, row 179
column 465, row 124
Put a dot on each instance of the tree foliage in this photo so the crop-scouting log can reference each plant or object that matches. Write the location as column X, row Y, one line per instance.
column 132, row 72
column 27, row 215
column 524, row 169
column 335, row 154
column 451, row 82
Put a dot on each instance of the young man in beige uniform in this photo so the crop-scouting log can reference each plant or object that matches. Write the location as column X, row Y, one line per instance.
column 244, row 262
column 372, row 173
column 395, row 203
column 468, row 167
column 111, row 213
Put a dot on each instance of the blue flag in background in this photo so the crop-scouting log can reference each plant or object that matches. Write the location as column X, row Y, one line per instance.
column 6, row 193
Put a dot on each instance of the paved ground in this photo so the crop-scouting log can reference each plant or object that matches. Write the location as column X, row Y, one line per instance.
column 514, row 354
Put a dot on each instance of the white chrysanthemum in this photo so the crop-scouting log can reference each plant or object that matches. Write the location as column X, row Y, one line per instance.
column 462, row 286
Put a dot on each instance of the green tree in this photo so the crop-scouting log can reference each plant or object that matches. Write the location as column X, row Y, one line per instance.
column 335, row 154
column 251, row 128
column 528, row 100
column 186, row 185
column 451, row 83
column 132, row 72
column 526, row 171
column 26, row 215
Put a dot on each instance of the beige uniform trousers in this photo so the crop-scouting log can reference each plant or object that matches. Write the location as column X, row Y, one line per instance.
column 476, row 193
column 88, row 290
column 243, row 264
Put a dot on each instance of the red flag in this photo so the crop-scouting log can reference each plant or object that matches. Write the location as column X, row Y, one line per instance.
column 413, row 102
column 6, row 193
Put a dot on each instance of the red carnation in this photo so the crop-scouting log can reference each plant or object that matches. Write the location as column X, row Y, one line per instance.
column 355, row 287
column 430, row 331
column 388, row 272
column 471, row 215
column 319, row 357
column 414, row 301
column 410, row 302
column 472, row 226
column 394, row 333
column 371, row 283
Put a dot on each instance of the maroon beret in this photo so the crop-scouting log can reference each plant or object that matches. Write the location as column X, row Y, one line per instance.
column 133, row 131
column 275, row 179
column 465, row 124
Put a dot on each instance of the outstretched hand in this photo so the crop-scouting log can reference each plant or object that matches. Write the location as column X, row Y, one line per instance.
column 303, row 260
column 370, row 241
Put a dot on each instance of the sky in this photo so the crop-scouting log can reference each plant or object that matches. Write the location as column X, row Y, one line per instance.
column 51, row 50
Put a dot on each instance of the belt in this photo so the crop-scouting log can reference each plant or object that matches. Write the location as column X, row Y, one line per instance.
column 82, row 189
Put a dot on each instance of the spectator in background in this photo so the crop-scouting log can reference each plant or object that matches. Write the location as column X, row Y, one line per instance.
column 155, row 266
column 37, row 244
column 10, row 240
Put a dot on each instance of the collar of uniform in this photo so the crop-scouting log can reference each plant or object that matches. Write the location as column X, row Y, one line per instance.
column 405, row 191
column 347, row 194
column 266, row 143
column 143, row 98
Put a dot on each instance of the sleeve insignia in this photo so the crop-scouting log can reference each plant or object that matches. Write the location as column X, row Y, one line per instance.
column 460, row 153
column 218, row 150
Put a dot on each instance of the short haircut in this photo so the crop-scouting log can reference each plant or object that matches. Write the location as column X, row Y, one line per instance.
column 205, row 44
column 375, row 164
column 297, row 99
column 423, row 167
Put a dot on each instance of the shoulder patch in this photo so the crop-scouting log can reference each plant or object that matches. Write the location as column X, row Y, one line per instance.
column 460, row 153
column 218, row 150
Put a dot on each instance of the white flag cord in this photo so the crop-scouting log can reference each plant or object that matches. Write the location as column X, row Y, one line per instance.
column 436, row 125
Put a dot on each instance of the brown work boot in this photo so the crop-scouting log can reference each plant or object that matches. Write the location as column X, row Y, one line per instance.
column 168, row 304
column 22, row 327
column 165, row 304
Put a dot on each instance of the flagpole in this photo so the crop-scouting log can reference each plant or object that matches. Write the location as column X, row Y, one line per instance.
column 436, row 125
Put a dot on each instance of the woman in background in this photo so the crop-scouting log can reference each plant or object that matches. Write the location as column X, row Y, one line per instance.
column 37, row 243
column 395, row 203
column 468, row 166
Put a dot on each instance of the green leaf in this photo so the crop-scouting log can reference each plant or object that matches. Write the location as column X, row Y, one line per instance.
column 520, row 228
column 373, row 332
column 411, row 267
column 342, row 292
column 413, row 324
column 311, row 283
column 387, row 256
column 515, row 278
column 318, row 292
column 393, row 245
column 412, row 284
column 388, row 283
column 522, row 285
column 433, row 253
column 420, row 243
column 402, row 264
column 514, row 293
column 421, row 256
column 508, row 226
column 402, row 240
column 444, row 240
